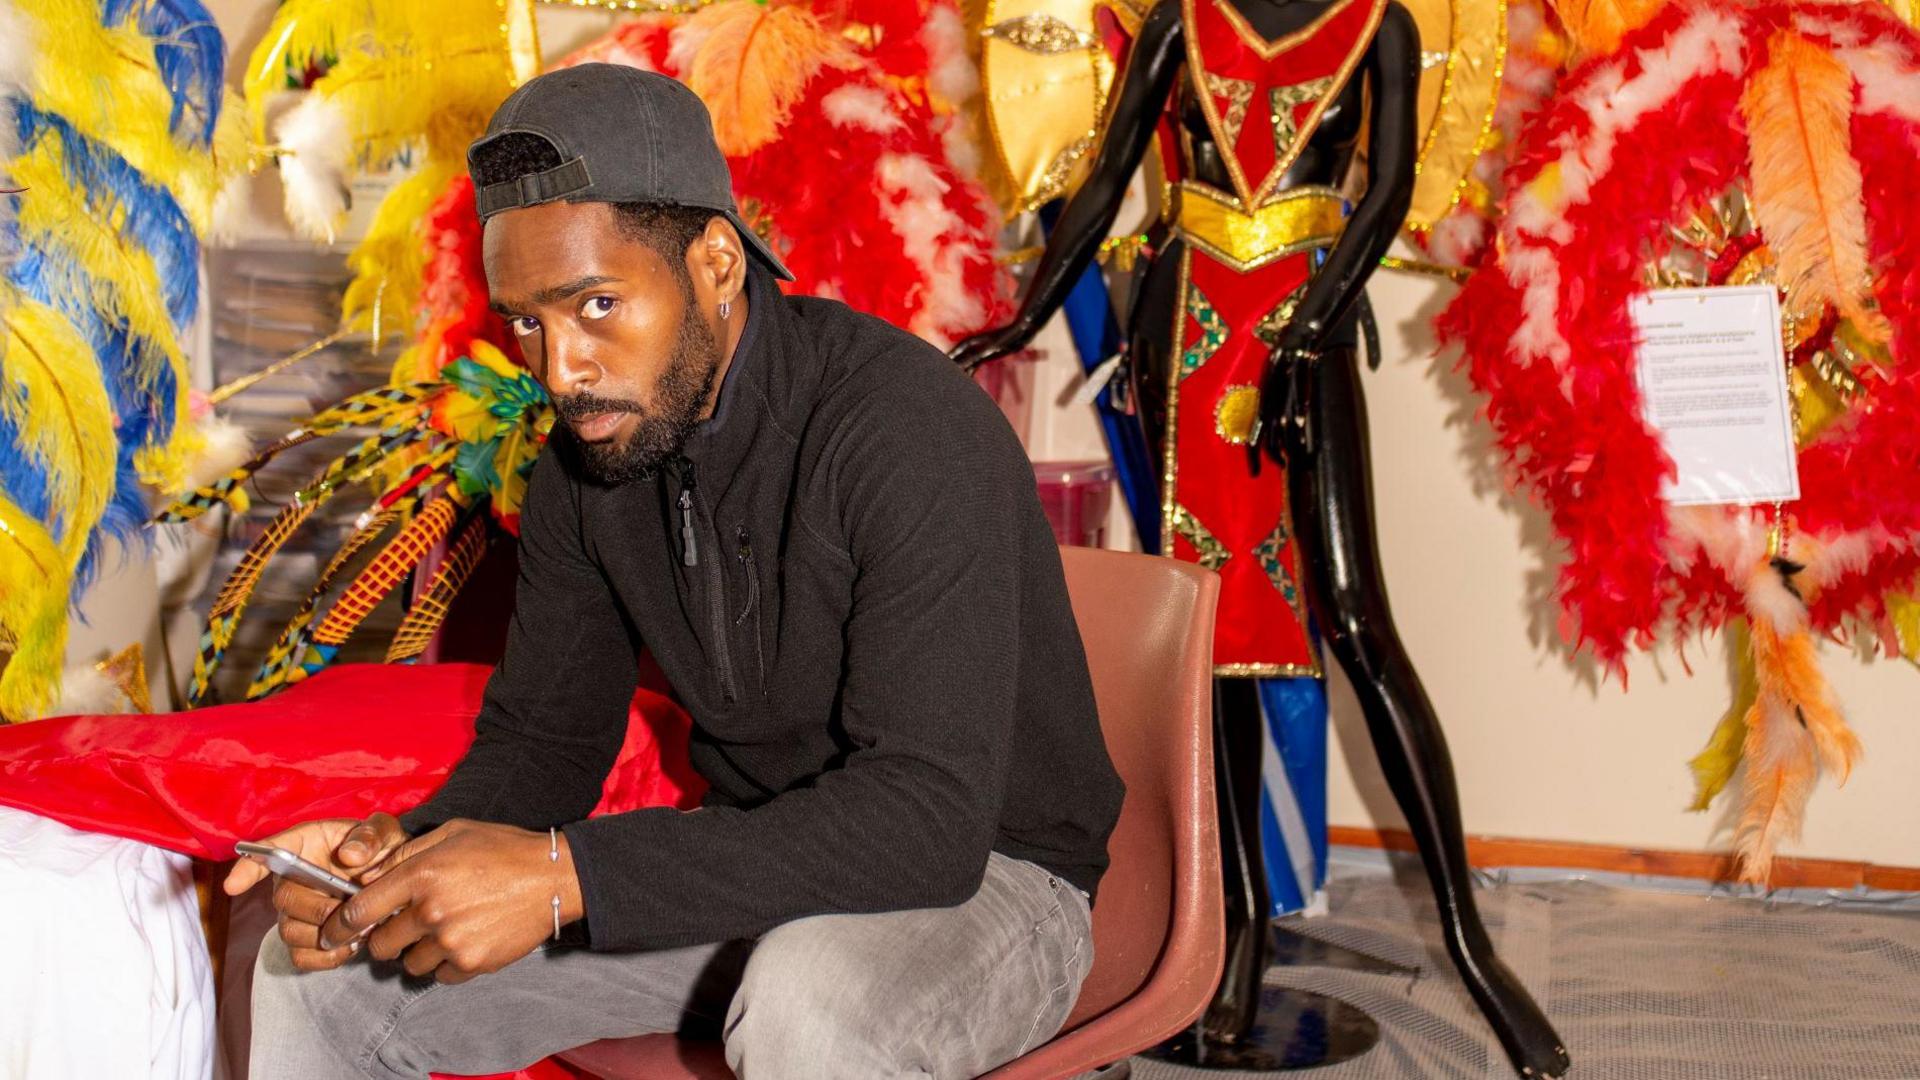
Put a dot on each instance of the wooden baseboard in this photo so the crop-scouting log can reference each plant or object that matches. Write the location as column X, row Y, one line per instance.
column 1487, row 851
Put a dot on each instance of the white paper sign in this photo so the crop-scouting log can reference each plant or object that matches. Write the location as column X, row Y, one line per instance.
column 1713, row 375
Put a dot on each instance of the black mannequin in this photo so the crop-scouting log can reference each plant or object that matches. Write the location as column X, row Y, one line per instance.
column 1312, row 418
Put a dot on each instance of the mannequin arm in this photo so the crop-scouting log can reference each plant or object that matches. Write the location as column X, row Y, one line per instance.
column 1152, row 64
column 1394, row 70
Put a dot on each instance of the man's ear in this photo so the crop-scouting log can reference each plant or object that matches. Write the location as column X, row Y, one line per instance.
column 719, row 260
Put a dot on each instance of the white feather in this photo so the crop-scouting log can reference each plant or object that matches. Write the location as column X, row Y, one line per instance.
column 963, row 150
column 226, row 448
column 315, row 150
column 864, row 107
column 229, row 221
column 916, row 208
column 1457, row 236
column 1732, row 541
column 1885, row 84
column 1831, row 558
column 683, row 44
column 1769, row 598
column 1839, row 31
column 84, row 691
column 1536, row 273
column 950, row 72
column 613, row 51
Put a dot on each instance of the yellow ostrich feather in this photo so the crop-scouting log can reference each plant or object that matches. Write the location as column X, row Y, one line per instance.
column 169, row 468
column 301, row 32
column 1596, row 26
column 1714, row 766
column 753, row 65
column 389, row 262
column 1806, row 181
column 409, row 78
column 106, row 273
column 51, row 393
column 33, row 614
column 109, row 274
column 106, row 83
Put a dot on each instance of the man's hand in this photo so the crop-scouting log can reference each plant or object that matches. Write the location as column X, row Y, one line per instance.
column 990, row 345
column 341, row 845
column 465, row 899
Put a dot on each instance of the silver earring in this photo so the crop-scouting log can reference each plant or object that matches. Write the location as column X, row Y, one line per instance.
column 726, row 308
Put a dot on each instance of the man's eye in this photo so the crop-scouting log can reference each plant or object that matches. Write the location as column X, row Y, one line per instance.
column 597, row 307
column 524, row 325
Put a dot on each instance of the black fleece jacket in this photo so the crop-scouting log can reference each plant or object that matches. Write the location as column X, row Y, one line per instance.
column 869, row 627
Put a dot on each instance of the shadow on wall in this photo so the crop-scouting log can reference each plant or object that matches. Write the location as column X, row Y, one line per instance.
column 1481, row 461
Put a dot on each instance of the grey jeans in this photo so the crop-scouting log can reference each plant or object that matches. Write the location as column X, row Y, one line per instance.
column 941, row 992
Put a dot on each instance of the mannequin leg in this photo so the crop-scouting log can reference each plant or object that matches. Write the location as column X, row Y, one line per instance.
column 1236, row 755
column 1331, row 495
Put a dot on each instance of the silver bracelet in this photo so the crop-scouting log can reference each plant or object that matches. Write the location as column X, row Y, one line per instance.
column 553, row 856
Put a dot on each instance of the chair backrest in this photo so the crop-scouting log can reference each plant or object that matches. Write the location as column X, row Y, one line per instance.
column 1158, row 927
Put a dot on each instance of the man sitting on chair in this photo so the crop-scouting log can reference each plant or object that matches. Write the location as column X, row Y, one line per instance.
column 830, row 540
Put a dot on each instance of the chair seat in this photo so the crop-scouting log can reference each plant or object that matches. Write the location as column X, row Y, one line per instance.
column 652, row 1057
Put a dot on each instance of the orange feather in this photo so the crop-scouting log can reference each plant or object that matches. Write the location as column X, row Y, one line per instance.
column 1806, row 181
column 1597, row 26
column 753, row 64
column 1780, row 764
column 1793, row 729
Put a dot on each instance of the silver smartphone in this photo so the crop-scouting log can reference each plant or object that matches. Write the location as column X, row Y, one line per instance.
column 288, row 865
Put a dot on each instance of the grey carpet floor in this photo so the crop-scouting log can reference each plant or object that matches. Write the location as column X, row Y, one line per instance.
column 1643, row 984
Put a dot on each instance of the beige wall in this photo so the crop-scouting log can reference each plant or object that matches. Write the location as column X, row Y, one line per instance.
column 1541, row 751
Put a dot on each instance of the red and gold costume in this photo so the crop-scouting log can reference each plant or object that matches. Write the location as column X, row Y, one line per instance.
column 1246, row 258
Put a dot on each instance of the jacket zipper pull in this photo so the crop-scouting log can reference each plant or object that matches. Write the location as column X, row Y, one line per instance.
column 689, row 552
column 745, row 556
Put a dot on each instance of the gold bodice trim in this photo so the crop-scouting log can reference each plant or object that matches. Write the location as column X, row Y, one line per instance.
column 1296, row 220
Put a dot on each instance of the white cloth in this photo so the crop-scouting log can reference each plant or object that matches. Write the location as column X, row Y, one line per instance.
column 105, row 970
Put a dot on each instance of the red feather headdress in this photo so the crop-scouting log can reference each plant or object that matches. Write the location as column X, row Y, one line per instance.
column 1753, row 141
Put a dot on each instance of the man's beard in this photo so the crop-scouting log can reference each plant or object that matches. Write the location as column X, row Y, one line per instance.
column 679, row 397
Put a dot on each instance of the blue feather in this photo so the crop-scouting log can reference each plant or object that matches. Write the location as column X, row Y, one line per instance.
column 24, row 481
column 21, row 478
column 124, row 520
column 192, row 57
column 143, row 411
column 116, row 191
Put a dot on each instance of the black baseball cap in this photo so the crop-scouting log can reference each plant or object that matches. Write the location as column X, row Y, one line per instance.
column 622, row 135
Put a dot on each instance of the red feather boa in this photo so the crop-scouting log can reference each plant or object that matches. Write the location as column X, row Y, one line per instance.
column 1549, row 342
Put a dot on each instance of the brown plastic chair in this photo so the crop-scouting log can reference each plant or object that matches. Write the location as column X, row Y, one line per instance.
column 1158, row 929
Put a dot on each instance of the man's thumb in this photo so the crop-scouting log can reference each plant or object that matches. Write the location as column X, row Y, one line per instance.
column 358, row 847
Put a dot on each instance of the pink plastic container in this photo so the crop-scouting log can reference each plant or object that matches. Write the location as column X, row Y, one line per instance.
column 1076, row 496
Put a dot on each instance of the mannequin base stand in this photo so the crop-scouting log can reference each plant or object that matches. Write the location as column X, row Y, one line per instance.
column 1293, row 1029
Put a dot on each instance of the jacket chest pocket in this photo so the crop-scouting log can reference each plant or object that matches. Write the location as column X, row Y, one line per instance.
column 734, row 615
column 747, row 621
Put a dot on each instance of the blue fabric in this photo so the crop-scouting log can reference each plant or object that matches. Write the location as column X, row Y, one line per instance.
column 1096, row 336
column 1293, row 803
